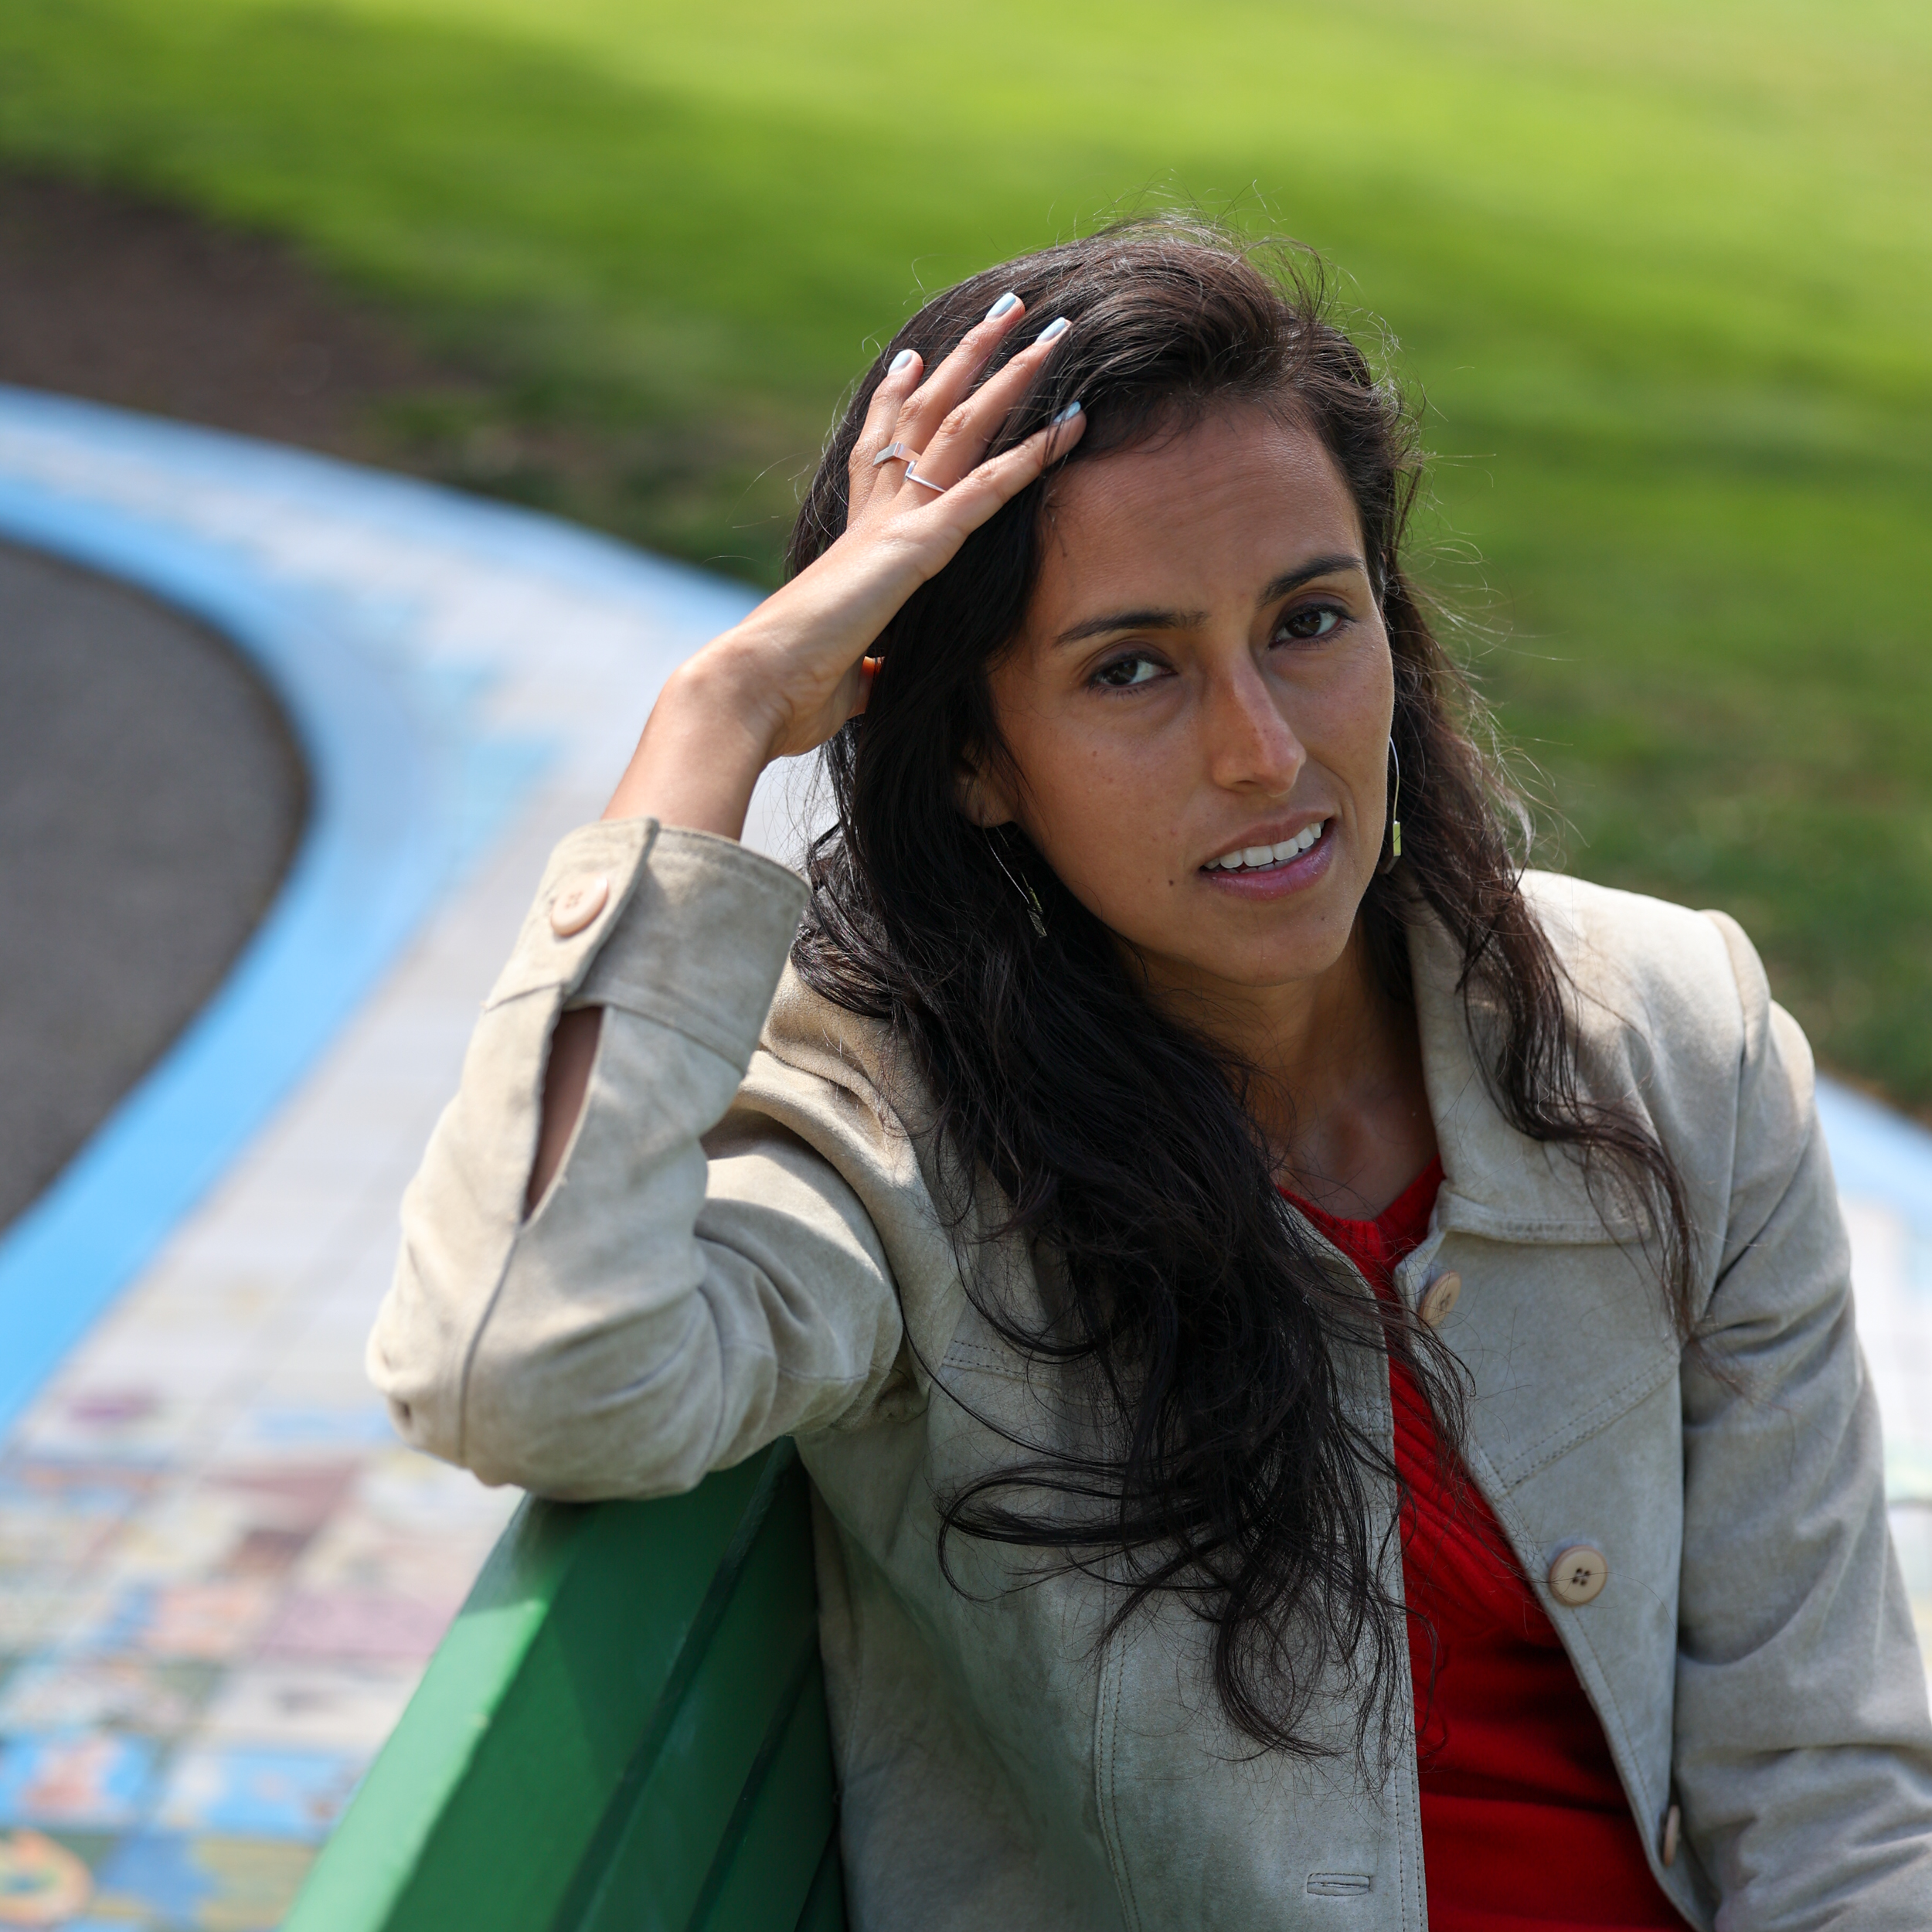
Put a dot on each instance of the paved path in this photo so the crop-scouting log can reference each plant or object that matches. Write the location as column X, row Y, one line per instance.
column 219, row 1576
column 150, row 798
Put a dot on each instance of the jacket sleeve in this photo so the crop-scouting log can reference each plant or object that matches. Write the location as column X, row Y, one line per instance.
column 1803, row 1753
column 659, row 1314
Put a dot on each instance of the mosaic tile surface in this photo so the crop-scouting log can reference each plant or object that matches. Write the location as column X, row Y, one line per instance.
column 220, row 1575
column 207, row 1652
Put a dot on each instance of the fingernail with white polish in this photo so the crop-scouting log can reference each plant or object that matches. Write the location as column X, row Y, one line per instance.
column 1065, row 416
column 902, row 360
column 1004, row 306
column 1058, row 326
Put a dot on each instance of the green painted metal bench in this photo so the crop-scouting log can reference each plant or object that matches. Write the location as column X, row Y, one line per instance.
column 625, row 1728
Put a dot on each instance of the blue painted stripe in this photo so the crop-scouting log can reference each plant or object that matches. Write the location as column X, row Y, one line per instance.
column 1878, row 1153
column 373, row 857
column 683, row 600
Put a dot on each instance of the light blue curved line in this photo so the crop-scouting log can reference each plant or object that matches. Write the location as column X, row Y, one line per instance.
column 1877, row 1152
column 680, row 597
column 373, row 856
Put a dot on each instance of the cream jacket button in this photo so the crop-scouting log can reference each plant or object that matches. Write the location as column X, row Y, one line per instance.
column 1578, row 1575
column 578, row 903
column 1439, row 1298
column 1673, row 1824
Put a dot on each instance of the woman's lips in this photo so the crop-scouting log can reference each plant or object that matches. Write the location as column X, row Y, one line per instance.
column 1277, row 880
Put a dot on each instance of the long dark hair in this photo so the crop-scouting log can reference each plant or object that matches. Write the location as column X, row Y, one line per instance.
column 1116, row 1142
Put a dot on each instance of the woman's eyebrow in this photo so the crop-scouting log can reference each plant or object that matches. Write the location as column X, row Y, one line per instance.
column 1320, row 566
column 1154, row 619
column 1147, row 620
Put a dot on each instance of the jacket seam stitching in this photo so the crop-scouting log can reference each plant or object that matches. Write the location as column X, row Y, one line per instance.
column 1560, row 1442
column 518, row 1222
column 474, row 1343
column 1123, row 1876
column 1488, row 1224
column 551, row 982
column 1411, row 1791
column 736, row 1054
column 984, row 1362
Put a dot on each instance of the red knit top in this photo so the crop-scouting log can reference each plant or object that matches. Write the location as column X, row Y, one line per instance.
column 1524, row 1825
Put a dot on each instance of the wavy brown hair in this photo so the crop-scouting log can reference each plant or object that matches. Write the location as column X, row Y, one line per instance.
column 1116, row 1142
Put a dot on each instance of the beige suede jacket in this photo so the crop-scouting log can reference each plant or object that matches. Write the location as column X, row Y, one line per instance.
column 743, row 1243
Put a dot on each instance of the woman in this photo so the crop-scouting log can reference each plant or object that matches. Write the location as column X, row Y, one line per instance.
column 1327, row 1360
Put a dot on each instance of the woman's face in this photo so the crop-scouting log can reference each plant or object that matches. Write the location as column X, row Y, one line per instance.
column 1198, row 706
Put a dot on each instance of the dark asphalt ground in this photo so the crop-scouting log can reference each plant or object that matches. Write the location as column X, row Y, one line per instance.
column 151, row 799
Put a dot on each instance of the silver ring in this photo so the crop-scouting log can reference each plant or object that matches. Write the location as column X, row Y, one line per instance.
column 895, row 453
column 912, row 476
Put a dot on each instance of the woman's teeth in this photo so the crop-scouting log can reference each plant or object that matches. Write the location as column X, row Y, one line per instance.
column 1254, row 856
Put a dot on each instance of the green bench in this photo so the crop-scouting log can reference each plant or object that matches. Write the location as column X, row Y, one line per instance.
column 625, row 1728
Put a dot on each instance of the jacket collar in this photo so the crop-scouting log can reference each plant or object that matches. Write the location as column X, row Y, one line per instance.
column 1497, row 1182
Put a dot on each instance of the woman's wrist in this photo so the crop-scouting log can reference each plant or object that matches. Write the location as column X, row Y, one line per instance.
column 703, row 751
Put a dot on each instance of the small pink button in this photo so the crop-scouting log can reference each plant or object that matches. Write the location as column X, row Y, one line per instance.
column 578, row 903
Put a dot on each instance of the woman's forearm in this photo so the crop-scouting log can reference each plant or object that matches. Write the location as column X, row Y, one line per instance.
column 706, row 745
column 566, row 1079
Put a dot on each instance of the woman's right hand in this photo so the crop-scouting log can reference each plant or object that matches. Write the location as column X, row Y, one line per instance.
column 797, row 668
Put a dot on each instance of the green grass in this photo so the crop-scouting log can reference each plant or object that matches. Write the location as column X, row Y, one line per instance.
column 1660, row 269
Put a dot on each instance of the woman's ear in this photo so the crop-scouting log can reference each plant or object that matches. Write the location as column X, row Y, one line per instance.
column 982, row 796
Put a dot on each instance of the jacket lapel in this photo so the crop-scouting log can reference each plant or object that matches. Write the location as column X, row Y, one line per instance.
column 1497, row 1182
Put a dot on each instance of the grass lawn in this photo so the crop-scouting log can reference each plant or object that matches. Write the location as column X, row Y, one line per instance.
column 1661, row 270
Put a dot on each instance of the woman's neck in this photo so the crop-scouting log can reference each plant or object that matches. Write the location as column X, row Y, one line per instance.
column 1338, row 1089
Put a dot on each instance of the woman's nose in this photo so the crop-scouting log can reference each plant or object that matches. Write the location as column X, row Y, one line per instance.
column 1251, row 746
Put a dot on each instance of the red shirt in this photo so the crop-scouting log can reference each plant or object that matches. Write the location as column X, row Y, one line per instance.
column 1524, row 1824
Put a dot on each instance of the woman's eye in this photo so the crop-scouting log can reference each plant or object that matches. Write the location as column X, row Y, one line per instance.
column 1123, row 671
column 1315, row 620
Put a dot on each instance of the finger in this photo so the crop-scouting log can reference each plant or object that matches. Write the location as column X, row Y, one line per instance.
column 950, row 383
column 995, row 483
column 881, row 415
column 962, row 439
column 901, row 378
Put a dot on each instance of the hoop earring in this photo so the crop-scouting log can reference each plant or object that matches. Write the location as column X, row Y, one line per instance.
column 1395, row 812
column 1033, row 912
